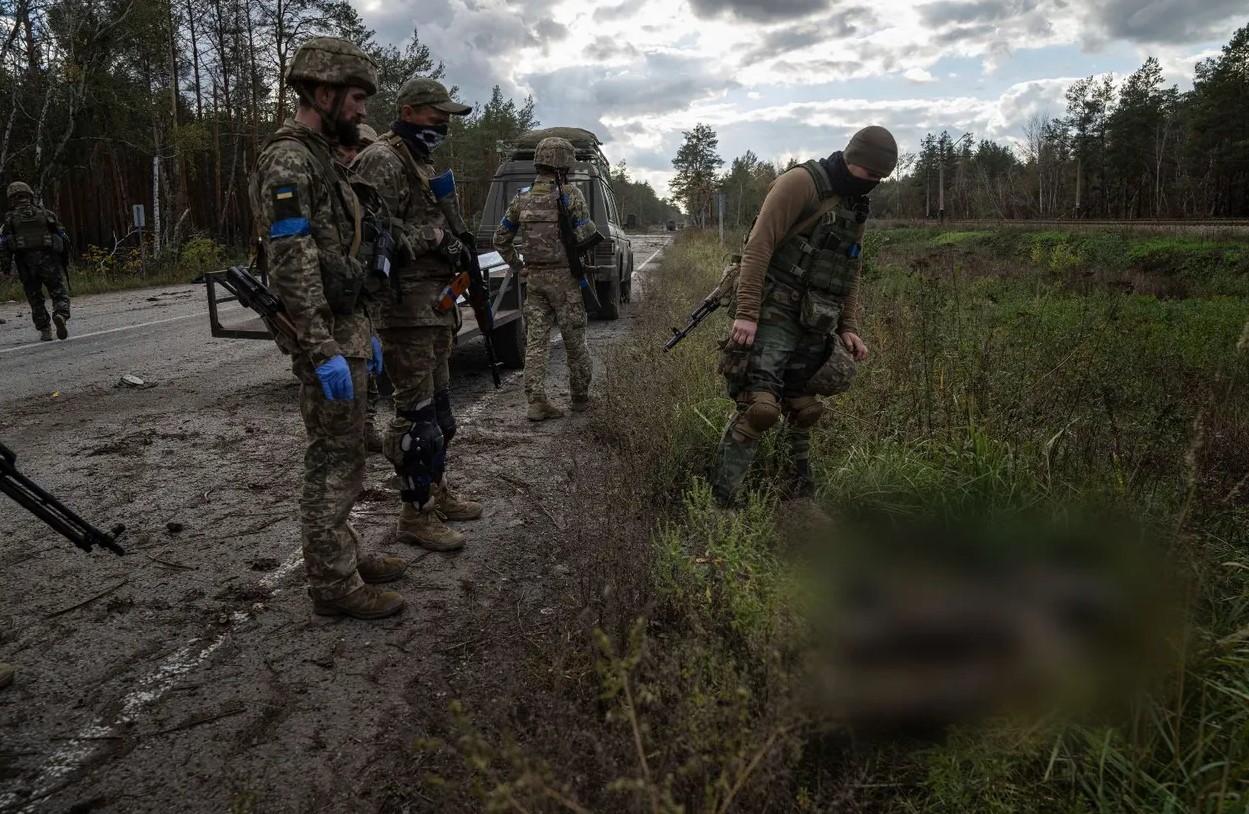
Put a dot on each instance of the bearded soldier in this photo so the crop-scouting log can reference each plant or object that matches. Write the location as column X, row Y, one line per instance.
column 417, row 338
column 531, row 230
column 33, row 238
column 796, row 305
column 309, row 222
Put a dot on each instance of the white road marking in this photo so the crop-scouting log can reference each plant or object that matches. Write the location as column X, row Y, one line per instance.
column 150, row 689
column 115, row 330
column 658, row 252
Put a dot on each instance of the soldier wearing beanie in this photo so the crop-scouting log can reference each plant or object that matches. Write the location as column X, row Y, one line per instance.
column 795, row 329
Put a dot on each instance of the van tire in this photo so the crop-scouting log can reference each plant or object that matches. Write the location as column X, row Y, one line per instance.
column 609, row 299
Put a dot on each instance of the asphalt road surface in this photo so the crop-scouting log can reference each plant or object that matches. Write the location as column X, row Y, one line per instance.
column 191, row 674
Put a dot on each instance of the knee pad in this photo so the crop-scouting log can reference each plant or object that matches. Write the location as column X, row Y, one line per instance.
column 446, row 418
column 803, row 412
column 759, row 414
column 424, row 458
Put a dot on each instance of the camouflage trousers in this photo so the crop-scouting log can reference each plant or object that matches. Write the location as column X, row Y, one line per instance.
column 554, row 300
column 784, row 358
column 333, row 480
column 43, row 270
column 417, row 360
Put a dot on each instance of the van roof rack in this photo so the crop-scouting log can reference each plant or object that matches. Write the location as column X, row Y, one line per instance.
column 585, row 144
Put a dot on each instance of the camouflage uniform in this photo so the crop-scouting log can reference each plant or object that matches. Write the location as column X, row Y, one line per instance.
column 417, row 340
column 530, row 230
column 308, row 217
column 33, row 238
column 801, row 290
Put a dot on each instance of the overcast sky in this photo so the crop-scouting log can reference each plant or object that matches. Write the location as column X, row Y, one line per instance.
column 796, row 77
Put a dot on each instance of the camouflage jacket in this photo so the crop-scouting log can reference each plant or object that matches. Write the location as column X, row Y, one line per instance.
column 308, row 219
column 402, row 184
column 530, row 228
column 41, row 228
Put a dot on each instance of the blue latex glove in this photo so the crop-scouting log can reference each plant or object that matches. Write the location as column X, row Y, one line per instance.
column 375, row 364
column 335, row 379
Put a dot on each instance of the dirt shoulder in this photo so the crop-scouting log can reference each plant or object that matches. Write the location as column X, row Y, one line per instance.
column 192, row 673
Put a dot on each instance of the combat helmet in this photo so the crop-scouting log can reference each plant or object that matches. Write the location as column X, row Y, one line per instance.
column 333, row 61
column 555, row 152
column 20, row 188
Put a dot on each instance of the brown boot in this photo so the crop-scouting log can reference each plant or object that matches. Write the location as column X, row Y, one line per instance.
column 426, row 529
column 61, row 331
column 45, row 334
column 541, row 410
column 376, row 569
column 580, row 404
column 455, row 507
column 368, row 602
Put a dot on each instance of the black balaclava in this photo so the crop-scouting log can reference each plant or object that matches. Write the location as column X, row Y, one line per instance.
column 843, row 182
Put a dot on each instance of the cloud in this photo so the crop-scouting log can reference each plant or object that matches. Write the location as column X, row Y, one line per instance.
column 918, row 75
column 790, row 38
column 1166, row 21
column 760, row 11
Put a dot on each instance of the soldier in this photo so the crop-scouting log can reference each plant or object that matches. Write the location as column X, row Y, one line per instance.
column 796, row 308
column 309, row 222
column 554, row 296
column 418, row 340
column 34, row 238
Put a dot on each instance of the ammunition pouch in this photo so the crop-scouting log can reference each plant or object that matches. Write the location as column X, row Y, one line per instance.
column 342, row 280
column 819, row 311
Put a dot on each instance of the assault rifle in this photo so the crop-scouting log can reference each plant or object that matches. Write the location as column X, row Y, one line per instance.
column 251, row 293
column 718, row 297
column 568, row 235
column 471, row 279
column 52, row 511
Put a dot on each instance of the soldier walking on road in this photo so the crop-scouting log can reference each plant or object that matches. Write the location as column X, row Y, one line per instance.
column 309, row 222
column 530, row 231
column 796, row 321
column 32, row 237
column 417, row 339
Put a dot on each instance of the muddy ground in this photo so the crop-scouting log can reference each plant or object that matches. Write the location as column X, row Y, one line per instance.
column 191, row 674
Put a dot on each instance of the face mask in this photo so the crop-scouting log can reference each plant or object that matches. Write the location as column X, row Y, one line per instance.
column 843, row 182
column 428, row 137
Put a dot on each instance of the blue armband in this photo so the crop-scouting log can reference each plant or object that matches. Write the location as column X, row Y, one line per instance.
column 507, row 225
column 290, row 227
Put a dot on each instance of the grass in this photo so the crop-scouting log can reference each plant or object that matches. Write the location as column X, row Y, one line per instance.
column 1023, row 410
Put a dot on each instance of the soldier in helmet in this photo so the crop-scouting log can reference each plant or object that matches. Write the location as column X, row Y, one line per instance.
column 795, row 334
column 418, row 340
column 530, row 230
column 308, row 218
column 33, row 238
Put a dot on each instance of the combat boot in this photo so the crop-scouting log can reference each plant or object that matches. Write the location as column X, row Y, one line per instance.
column 61, row 331
column 426, row 529
column 541, row 410
column 580, row 404
column 455, row 507
column 7, row 672
column 45, row 334
column 376, row 569
column 367, row 602
column 372, row 440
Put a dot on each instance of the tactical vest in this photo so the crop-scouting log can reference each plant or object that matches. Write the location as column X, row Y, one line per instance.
column 342, row 274
column 31, row 228
column 541, row 243
column 826, row 258
column 423, row 210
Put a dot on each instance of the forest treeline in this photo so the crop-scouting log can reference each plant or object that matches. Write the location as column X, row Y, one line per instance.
column 105, row 104
column 1132, row 149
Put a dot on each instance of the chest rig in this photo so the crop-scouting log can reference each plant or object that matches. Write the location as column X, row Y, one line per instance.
column 826, row 258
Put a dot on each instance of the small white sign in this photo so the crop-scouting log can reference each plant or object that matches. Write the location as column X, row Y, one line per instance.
column 140, row 216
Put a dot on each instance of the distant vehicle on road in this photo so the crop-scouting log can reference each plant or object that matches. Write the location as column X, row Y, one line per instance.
column 612, row 264
column 672, row 226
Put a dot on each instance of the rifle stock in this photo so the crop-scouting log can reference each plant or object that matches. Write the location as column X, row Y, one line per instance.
column 47, row 508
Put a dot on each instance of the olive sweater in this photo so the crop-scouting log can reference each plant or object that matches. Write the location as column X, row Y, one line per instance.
column 791, row 197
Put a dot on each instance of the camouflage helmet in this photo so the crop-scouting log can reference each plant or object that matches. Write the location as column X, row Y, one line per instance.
column 555, row 152
column 20, row 188
column 367, row 135
column 333, row 61
column 835, row 376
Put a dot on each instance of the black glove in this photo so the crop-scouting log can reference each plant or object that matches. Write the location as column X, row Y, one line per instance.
column 455, row 251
